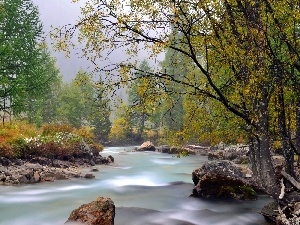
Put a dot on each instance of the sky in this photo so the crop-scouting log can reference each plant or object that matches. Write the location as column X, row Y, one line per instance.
column 59, row 13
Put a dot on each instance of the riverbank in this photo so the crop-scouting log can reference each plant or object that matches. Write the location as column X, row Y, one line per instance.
column 146, row 187
column 42, row 169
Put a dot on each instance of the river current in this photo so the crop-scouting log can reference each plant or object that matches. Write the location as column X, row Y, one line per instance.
column 148, row 188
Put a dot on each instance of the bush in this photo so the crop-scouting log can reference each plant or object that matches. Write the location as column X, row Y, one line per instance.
column 21, row 148
column 58, row 146
column 54, row 150
column 96, row 148
column 6, row 150
column 12, row 138
column 51, row 129
column 56, row 141
column 86, row 132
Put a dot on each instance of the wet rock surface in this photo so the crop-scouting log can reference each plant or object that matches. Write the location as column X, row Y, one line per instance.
column 236, row 153
column 41, row 169
column 288, row 215
column 146, row 146
column 222, row 180
column 101, row 211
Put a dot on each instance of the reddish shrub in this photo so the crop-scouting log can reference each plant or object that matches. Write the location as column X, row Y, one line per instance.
column 51, row 129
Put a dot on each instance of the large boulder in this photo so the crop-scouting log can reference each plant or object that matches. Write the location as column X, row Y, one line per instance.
column 101, row 211
column 146, row 146
column 222, row 180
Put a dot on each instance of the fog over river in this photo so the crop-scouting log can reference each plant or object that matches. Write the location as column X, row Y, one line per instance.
column 146, row 187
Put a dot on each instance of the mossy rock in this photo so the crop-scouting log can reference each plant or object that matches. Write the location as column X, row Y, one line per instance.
column 248, row 192
column 224, row 187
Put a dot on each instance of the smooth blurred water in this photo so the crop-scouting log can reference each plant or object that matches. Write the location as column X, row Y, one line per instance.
column 146, row 187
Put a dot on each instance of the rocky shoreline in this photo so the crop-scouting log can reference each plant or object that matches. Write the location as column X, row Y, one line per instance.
column 41, row 169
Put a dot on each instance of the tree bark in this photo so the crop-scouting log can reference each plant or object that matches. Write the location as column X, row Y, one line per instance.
column 297, row 141
column 286, row 147
column 267, row 171
column 253, row 154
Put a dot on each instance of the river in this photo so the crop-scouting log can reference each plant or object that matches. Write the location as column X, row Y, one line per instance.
column 148, row 188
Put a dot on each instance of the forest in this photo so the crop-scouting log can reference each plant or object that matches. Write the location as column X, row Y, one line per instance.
column 230, row 73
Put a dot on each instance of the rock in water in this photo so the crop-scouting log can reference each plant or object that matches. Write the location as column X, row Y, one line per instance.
column 147, row 146
column 223, row 180
column 89, row 176
column 99, row 212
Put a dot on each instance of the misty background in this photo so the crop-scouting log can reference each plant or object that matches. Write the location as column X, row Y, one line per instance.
column 58, row 13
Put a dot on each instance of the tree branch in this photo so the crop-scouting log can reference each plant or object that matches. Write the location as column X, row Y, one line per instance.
column 292, row 180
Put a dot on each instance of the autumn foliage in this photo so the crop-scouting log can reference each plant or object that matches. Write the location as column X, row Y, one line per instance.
column 55, row 141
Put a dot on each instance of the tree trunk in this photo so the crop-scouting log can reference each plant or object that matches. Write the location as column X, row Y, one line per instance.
column 266, row 169
column 297, row 141
column 253, row 153
column 286, row 147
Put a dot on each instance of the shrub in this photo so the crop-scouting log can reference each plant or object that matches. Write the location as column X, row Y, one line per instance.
column 12, row 138
column 6, row 150
column 86, row 132
column 58, row 146
column 21, row 148
column 56, row 141
column 96, row 148
column 53, row 128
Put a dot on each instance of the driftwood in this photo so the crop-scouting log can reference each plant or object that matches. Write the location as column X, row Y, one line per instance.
column 282, row 189
column 292, row 180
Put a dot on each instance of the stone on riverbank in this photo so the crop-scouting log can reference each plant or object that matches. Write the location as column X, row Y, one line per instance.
column 236, row 153
column 101, row 211
column 222, row 180
column 40, row 169
column 146, row 146
column 89, row 176
column 169, row 149
column 197, row 149
column 288, row 215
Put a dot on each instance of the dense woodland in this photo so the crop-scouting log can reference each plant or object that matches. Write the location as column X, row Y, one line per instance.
column 231, row 70
column 230, row 73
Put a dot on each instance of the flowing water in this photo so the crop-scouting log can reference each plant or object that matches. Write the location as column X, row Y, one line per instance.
column 146, row 187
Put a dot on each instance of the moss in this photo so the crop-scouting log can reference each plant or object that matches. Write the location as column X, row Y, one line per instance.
column 239, row 192
column 226, row 192
column 219, row 186
column 248, row 192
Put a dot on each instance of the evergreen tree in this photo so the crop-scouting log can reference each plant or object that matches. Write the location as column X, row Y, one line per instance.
column 139, row 99
column 82, row 102
column 20, row 30
column 42, row 102
column 100, row 116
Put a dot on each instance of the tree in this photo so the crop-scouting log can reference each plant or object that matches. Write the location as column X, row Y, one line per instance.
column 176, row 65
column 70, row 109
column 20, row 30
column 121, row 129
column 210, row 123
column 100, row 115
column 139, row 99
column 82, row 102
column 42, row 101
column 244, row 53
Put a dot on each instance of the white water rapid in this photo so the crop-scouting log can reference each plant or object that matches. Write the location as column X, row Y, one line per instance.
column 148, row 188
